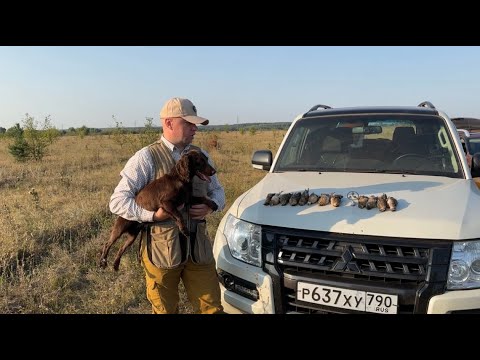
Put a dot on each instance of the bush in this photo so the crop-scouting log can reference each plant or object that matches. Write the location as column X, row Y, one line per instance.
column 82, row 131
column 31, row 142
column 20, row 149
column 14, row 131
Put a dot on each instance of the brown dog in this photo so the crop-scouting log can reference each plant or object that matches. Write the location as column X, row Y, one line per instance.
column 167, row 192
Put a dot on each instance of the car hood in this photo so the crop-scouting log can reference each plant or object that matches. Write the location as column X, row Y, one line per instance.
column 429, row 207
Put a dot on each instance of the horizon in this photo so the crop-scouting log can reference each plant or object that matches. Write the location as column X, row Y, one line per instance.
column 92, row 86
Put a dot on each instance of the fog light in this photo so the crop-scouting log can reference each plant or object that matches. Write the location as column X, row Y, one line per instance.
column 228, row 282
column 251, row 294
column 238, row 286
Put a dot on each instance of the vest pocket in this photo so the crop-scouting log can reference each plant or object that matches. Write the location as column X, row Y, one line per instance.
column 165, row 246
column 202, row 249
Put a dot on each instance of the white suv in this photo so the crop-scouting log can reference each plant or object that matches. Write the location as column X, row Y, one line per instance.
column 417, row 253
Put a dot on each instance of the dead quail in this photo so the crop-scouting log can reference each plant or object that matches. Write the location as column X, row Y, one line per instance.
column 382, row 203
column 275, row 200
column 294, row 198
column 352, row 195
column 362, row 201
column 371, row 202
column 312, row 199
column 336, row 199
column 284, row 198
column 269, row 197
column 303, row 198
column 392, row 203
column 324, row 200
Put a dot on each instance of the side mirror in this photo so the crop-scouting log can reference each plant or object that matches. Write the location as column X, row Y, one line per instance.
column 262, row 159
column 476, row 165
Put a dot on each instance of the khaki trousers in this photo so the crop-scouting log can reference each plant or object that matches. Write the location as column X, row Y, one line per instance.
column 200, row 281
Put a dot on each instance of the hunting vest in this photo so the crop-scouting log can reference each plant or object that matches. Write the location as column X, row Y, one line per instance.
column 166, row 247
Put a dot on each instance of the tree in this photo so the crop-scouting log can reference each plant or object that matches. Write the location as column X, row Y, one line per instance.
column 119, row 133
column 31, row 142
column 149, row 134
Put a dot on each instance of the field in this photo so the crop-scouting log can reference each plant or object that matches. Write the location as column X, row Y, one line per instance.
column 54, row 219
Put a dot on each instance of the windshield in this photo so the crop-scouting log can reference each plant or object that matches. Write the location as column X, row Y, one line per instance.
column 415, row 144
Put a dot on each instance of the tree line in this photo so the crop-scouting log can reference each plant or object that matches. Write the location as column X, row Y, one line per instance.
column 31, row 139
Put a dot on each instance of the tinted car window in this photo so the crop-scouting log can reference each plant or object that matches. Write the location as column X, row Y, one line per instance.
column 418, row 144
column 474, row 145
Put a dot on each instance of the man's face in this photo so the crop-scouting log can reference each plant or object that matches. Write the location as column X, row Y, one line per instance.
column 182, row 132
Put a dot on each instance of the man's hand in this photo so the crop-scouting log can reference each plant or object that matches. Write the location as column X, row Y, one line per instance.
column 199, row 211
column 161, row 214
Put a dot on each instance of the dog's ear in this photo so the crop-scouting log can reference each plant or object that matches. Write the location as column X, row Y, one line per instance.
column 195, row 159
column 183, row 168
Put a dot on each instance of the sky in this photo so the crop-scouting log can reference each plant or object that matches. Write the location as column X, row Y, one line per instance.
column 94, row 86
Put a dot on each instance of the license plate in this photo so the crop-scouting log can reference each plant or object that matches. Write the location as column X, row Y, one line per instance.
column 347, row 299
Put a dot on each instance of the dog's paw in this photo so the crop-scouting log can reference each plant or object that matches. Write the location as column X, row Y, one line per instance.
column 103, row 263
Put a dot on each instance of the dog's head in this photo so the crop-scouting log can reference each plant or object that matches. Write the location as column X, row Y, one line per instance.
column 193, row 163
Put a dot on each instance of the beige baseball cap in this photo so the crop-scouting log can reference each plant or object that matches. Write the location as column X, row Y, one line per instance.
column 184, row 108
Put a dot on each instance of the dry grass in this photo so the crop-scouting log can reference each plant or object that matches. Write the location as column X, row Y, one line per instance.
column 54, row 219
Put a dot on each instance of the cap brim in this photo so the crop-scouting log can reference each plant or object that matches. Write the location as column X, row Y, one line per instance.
column 196, row 120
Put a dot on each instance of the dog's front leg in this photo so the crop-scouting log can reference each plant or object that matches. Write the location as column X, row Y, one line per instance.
column 175, row 214
column 209, row 203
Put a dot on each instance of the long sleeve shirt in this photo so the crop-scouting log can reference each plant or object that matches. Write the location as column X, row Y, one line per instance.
column 138, row 172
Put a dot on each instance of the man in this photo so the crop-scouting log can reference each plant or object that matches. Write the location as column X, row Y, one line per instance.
column 167, row 255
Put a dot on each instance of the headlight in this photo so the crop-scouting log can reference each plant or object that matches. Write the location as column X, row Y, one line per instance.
column 464, row 271
column 244, row 240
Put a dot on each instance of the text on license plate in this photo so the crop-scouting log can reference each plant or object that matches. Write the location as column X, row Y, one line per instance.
column 347, row 299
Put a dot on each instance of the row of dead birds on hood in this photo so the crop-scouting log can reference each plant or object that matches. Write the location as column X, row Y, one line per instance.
column 302, row 198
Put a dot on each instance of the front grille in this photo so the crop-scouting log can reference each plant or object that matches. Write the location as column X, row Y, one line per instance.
column 413, row 269
column 375, row 262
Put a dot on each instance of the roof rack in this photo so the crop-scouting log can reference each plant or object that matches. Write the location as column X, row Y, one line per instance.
column 426, row 104
column 319, row 106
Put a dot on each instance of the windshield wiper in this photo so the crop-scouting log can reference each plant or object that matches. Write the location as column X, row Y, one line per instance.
column 368, row 171
column 403, row 172
column 376, row 171
column 305, row 169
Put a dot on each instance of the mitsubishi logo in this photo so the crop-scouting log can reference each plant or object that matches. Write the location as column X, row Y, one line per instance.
column 345, row 262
